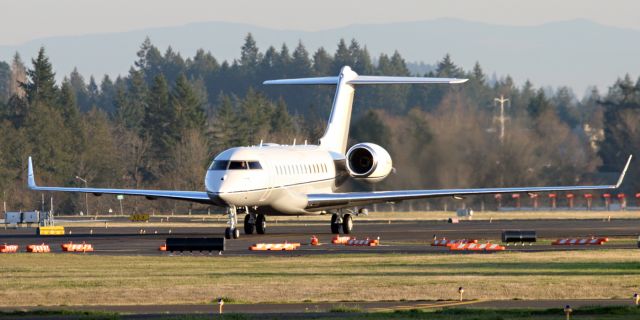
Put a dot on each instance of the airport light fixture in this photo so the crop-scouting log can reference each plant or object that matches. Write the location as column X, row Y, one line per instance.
column 86, row 195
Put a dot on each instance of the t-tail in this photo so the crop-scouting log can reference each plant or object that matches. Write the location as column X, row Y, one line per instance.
column 337, row 134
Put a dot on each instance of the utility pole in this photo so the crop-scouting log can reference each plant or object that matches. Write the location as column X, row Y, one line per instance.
column 502, row 118
column 86, row 195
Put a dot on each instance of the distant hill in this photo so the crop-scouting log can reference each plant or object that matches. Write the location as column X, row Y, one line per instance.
column 577, row 53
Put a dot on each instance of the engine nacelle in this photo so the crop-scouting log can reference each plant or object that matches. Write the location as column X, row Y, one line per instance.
column 368, row 162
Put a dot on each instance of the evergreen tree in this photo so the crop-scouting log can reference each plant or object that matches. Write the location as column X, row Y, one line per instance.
column 107, row 96
column 446, row 68
column 159, row 119
column 186, row 106
column 371, row 128
column 222, row 132
column 150, row 61
column 282, row 124
column 41, row 85
column 71, row 117
column 342, row 57
column 249, row 55
column 539, row 104
column 300, row 64
column 5, row 81
column 131, row 102
column 79, row 88
column 322, row 62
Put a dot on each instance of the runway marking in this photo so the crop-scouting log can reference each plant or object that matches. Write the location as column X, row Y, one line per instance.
column 424, row 306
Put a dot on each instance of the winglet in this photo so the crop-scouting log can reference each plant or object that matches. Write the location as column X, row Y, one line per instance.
column 624, row 171
column 31, row 179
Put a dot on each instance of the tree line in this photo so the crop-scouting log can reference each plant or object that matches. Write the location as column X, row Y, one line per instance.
column 160, row 125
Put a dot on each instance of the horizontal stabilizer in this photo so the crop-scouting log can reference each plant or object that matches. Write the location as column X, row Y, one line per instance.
column 318, row 80
column 358, row 80
column 392, row 80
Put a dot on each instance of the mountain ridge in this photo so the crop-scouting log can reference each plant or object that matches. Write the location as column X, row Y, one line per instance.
column 576, row 53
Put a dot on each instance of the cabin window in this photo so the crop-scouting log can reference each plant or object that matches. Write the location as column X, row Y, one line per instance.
column 219, row 165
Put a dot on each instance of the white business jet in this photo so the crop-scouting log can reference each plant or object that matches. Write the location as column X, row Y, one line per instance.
column 272, row 179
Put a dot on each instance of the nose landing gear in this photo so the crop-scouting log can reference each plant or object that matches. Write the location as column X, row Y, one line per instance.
column 232, row 231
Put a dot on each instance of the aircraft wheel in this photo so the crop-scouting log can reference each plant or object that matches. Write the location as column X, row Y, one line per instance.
column 261, row 224
column 248, row 226
column 335, row 226
column 347, row 224
column 236, row 233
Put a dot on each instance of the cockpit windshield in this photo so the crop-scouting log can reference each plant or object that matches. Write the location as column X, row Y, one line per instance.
column 219, row 165
column 235, row 165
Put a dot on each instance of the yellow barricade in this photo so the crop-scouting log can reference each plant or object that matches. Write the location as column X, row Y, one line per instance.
column 139, row 217
column 51, row 231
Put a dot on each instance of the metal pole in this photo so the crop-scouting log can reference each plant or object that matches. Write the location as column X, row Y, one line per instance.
column 86, row 195
column 121, row 210
column 502, row 118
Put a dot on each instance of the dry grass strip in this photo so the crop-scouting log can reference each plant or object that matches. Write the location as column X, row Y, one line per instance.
column 57, row 279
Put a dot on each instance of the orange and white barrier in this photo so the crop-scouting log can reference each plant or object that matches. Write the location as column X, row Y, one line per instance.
column 476, row 247
column 365, row 242
column 578, row 241
column 447, row 243
column 74, row 247
column 163, row 247
column 274, row 246
column 8, row 248
column 340, row 240
column 38, row 248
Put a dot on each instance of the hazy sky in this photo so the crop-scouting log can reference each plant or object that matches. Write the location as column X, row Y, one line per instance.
column 24, row 20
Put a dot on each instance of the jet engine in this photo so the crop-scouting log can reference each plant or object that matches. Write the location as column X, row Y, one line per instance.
column 368, row 162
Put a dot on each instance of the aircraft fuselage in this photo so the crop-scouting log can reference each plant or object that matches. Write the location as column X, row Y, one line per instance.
column 274, row 179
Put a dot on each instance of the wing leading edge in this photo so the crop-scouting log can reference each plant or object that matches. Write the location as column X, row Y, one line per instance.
column 194, row 196
column 342, row 200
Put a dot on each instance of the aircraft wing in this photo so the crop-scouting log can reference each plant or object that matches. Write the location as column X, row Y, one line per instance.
column 193, row 196
column 323, row 201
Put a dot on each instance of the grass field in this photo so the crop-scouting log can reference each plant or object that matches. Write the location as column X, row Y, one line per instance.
column 57, row 279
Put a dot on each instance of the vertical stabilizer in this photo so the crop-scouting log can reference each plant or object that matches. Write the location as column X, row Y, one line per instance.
column 337, row 134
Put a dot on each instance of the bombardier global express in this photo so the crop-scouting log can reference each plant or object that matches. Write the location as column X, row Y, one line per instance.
column 272, row 179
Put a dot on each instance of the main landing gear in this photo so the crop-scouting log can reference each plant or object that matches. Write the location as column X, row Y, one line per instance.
column 341, row 220
column 252, row 222
column 257, row 222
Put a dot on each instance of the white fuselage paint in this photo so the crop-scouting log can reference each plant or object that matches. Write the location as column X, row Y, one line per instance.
column 288, row 173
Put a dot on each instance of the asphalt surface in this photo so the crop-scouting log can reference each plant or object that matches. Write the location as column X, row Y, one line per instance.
column 313, row 310
column 395, row 236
